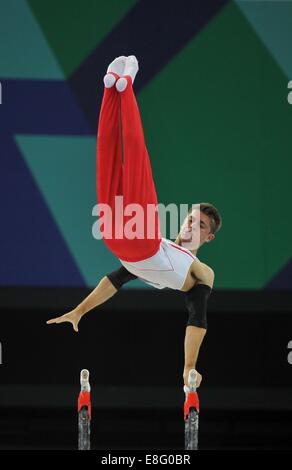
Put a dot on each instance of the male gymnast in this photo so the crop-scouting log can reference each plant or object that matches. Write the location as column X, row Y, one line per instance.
column 124, row 170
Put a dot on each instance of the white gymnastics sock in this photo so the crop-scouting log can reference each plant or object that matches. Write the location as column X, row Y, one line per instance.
column 121, row 84
column 109, row 80
column 131, row 69
column 117, row 66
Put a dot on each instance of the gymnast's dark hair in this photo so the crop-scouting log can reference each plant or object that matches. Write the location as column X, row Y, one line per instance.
column 213, row 214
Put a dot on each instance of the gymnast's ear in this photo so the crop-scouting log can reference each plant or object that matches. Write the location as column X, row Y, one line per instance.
column 211, row 237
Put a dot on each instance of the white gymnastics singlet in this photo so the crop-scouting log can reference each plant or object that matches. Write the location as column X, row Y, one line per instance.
column 169, row 266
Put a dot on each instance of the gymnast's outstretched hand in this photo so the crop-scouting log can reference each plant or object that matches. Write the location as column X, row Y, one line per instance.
column 72, row 317
column 102, row 292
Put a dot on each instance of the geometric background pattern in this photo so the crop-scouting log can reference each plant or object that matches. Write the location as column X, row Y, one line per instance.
column 212, row 91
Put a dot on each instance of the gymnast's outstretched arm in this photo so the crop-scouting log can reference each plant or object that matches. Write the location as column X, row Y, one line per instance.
column 105, row 289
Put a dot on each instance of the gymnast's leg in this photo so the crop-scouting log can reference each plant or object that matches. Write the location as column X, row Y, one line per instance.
column 123, row 169
column 138, row 184
column 109, row 153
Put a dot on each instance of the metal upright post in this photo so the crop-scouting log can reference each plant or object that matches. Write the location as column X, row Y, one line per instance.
column 84, row 412
column 191, row 413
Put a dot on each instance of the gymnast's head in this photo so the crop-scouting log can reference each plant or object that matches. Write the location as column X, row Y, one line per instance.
column 200, row 226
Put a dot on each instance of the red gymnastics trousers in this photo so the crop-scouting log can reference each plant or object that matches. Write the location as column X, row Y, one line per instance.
column 130, row 223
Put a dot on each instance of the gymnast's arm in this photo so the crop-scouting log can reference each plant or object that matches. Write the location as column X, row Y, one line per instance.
column 106, row 288
column 202, row 273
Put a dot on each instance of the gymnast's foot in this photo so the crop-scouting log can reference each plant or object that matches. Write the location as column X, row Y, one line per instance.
column 115, row 68
column 131, row 69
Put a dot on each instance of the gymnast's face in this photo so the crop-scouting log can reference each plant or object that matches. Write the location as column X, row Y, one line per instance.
column 196, row 230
